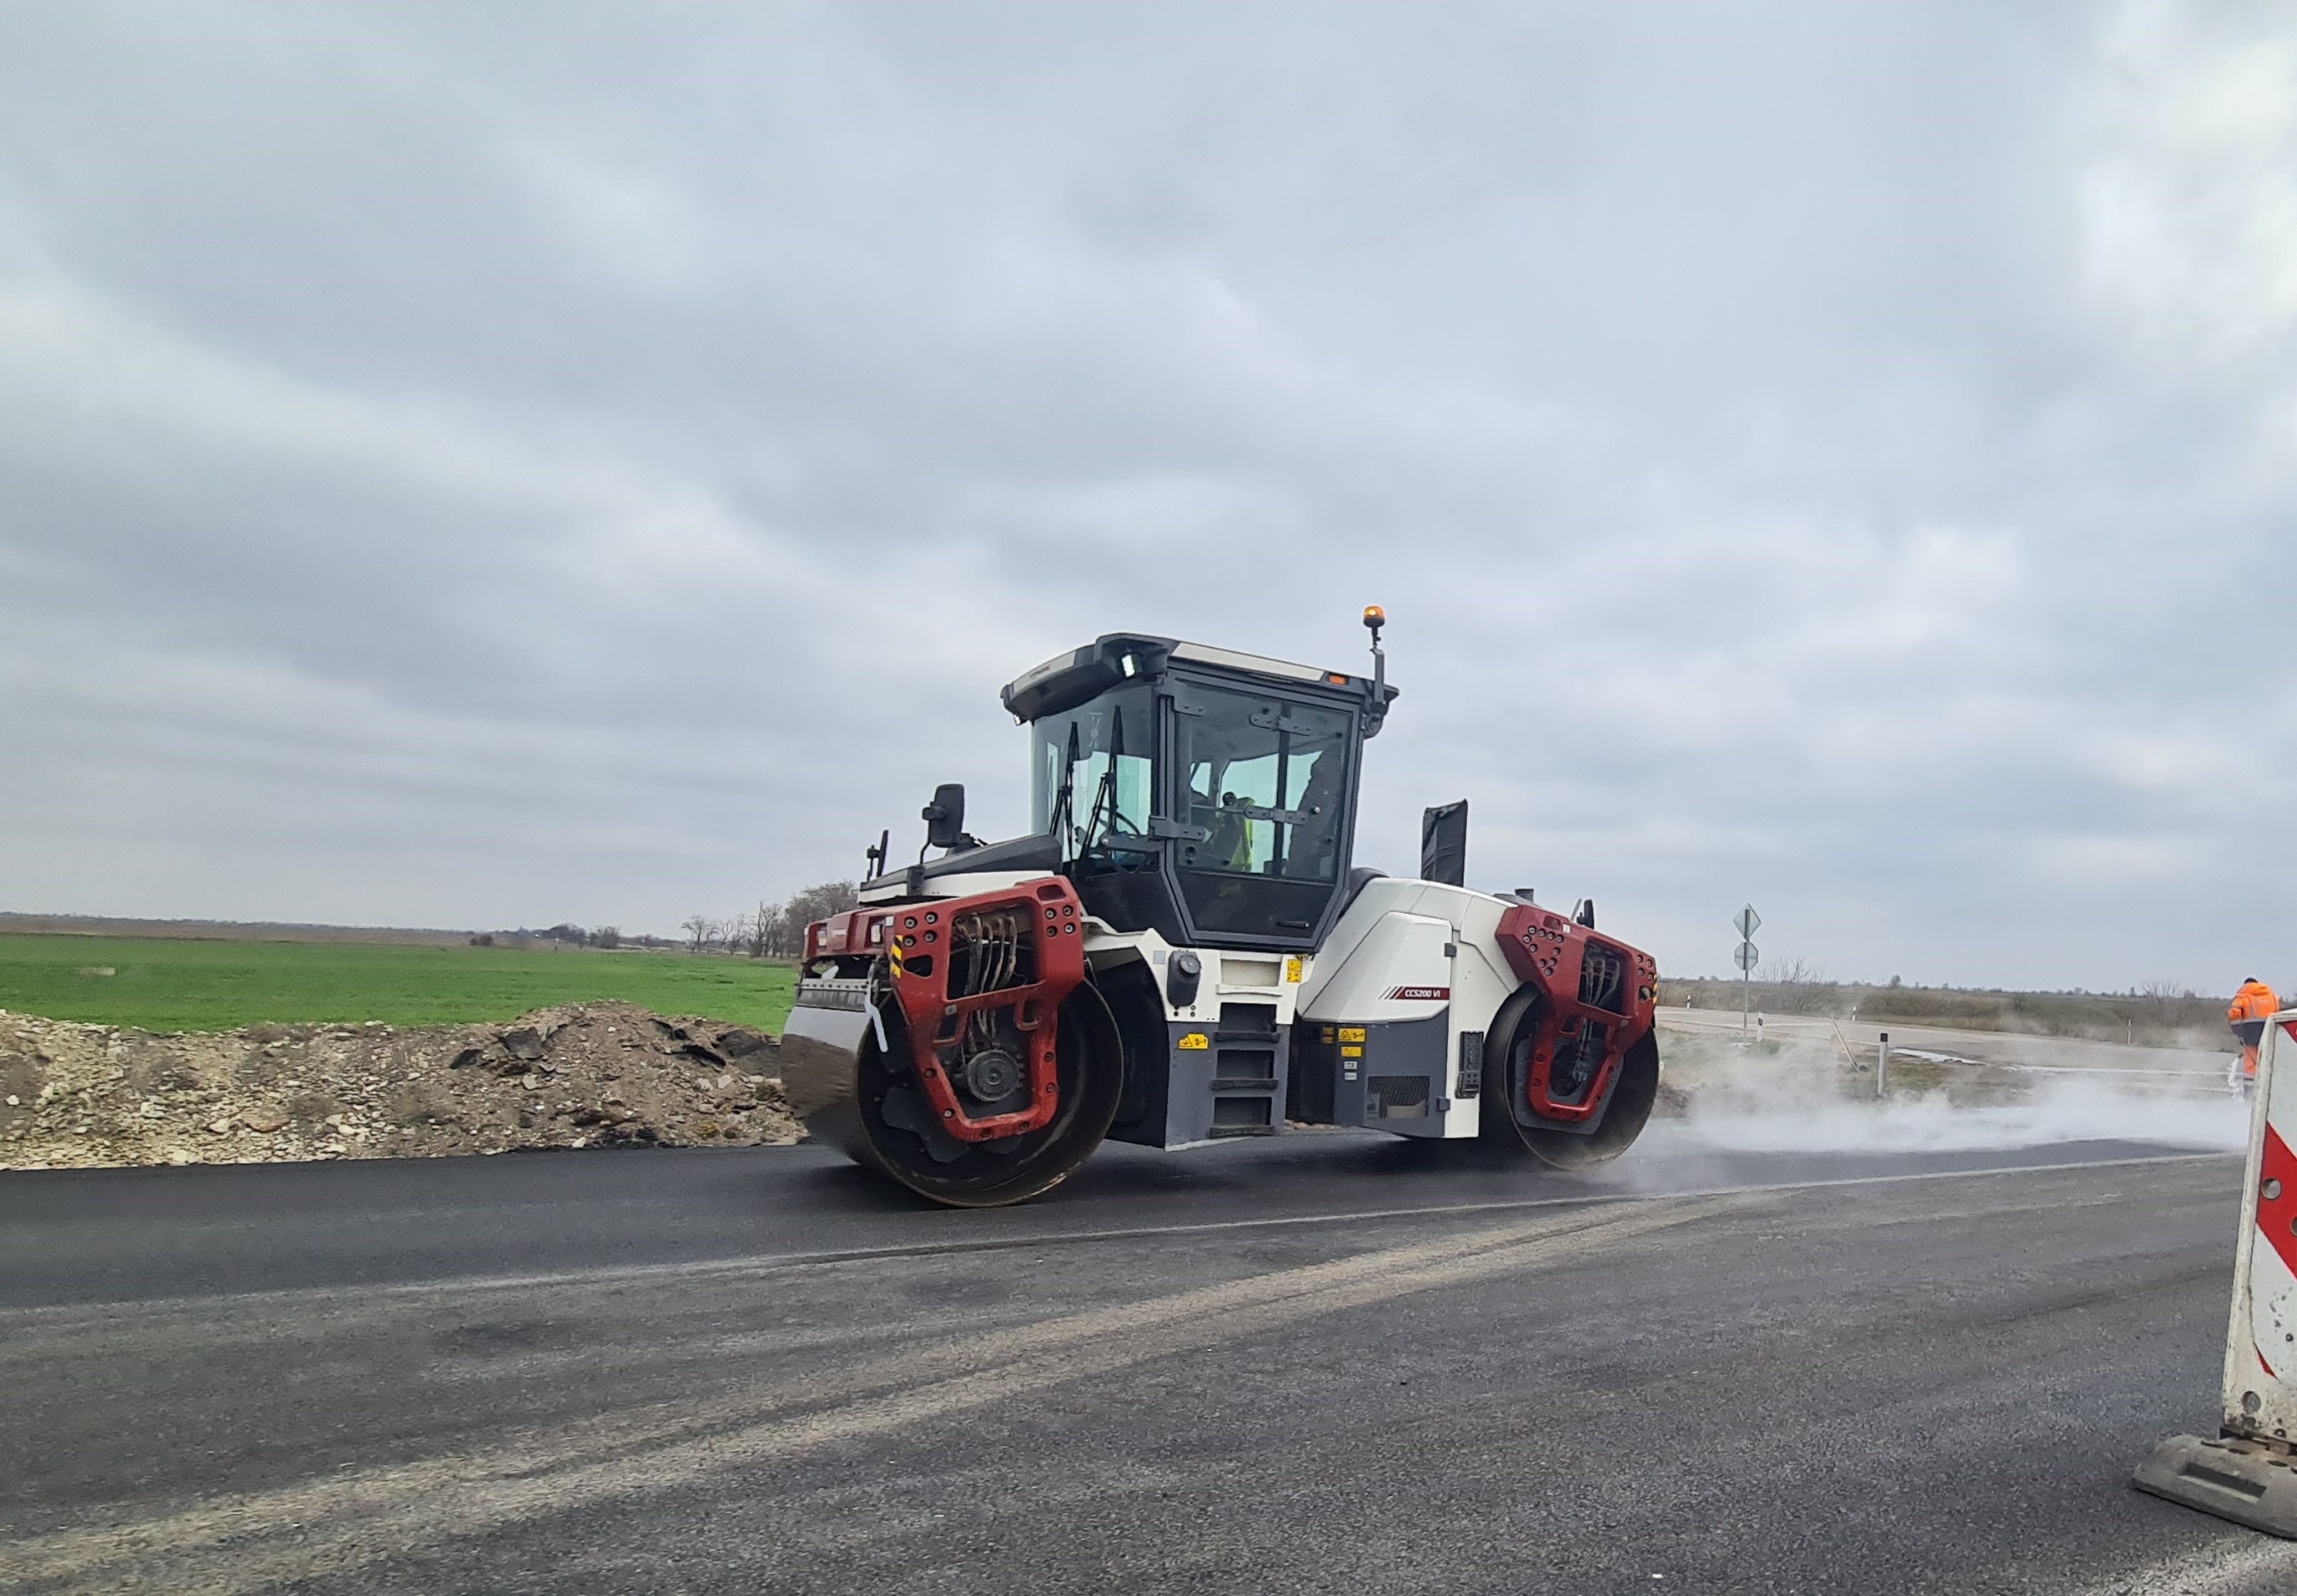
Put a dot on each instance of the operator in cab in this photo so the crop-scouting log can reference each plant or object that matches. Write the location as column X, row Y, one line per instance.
column 2252, row 1006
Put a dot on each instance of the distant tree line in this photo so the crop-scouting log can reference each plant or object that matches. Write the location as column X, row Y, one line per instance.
column 565, row 936
column 2161, row 1012
column 771, row 930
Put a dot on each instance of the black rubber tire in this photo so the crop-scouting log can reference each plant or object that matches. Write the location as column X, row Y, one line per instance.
column 1091, row 1079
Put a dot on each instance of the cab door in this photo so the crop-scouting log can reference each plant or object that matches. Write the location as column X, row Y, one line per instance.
column 1261, row 789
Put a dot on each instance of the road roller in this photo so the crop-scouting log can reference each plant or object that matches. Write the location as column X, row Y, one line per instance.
column 1182, row 950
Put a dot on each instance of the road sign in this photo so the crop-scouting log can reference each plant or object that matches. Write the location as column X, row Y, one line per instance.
column 1746, row 920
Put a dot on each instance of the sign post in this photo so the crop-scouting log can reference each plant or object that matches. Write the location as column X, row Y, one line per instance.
column 2249, row 1472
column 1747, row 920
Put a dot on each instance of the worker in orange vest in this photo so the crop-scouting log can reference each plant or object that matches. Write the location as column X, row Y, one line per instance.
column 2252, row 1006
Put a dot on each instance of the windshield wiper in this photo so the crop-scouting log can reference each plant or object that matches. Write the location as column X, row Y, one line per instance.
column 1106, row 792
column 1064, row 799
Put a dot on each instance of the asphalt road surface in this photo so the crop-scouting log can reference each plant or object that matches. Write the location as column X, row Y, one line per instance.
column 1328, row 1363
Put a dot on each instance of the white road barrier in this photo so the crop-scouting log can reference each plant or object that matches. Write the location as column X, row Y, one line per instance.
column 2249, row 1473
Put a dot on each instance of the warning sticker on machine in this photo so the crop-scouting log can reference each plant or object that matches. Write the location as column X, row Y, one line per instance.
column 1420, row 994
column 1196, row 1041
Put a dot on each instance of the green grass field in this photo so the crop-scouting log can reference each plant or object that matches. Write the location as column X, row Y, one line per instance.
column 163, row 983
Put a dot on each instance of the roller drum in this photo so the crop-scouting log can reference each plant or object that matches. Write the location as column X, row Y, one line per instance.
column 869, row 1105
column 1632, row 1095
column 1623, row 1121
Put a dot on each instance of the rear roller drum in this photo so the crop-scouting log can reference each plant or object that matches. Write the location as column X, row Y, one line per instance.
column 883, row 1118
column 1624, row 1116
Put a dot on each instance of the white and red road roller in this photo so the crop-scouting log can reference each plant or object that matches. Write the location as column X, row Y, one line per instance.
column 1183, row 950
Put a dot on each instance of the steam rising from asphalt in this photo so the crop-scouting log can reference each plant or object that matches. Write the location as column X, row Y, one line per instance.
column 1801, row 1099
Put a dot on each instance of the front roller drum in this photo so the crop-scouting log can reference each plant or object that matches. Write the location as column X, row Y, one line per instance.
column 869, row 1103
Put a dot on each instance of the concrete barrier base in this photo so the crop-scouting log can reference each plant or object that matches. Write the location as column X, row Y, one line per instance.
column 2248, row 1482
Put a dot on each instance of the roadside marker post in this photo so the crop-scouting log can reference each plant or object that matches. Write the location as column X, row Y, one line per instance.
column 2249, row 1473
column 1883, row 1065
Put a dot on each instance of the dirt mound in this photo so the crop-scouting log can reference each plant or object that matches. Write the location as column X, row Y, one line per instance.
column 591, row 1074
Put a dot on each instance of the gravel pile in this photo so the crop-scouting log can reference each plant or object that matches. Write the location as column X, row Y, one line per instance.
column 584, row 1075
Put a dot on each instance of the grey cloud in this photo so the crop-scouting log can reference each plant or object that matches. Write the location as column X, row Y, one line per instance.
column 456, row 470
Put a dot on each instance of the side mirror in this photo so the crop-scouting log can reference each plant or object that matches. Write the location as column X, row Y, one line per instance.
column 944, row 817
column 1443, row 844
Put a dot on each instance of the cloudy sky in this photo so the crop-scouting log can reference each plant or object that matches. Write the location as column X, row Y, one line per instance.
column 472, row 465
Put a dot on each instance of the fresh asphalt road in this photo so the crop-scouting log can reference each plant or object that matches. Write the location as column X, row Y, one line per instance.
column 1328, row 1363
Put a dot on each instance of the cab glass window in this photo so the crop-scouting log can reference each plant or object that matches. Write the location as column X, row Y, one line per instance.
column 1267, row 778
column 1090, row 772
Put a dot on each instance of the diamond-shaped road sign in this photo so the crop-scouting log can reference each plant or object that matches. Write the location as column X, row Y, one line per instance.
column 1747, row 956
column 1747, row 921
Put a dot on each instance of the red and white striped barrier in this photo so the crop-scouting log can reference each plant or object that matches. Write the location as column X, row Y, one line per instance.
column 2249, row 1473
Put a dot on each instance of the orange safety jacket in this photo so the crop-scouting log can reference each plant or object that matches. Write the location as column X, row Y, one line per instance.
column 2252, row 1007
column 2254, row 1001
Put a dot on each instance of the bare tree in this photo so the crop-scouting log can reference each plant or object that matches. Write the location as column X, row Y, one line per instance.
column 1790, row 972
column 764, row 930
column 787, row 937
column 784, row 936
column 805, row 906
column 698, row 929
column 1795, row 986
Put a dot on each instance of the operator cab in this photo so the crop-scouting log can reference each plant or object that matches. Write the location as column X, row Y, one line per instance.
column 1202, row 794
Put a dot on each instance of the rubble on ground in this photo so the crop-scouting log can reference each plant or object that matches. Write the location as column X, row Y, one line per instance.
column 581, row 1076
